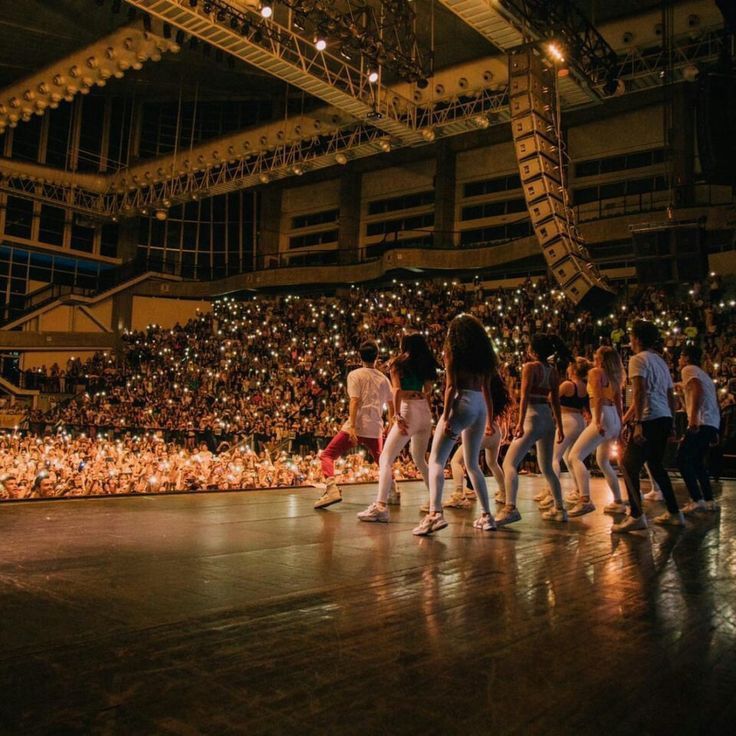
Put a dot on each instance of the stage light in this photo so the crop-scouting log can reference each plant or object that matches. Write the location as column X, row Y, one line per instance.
column 428, row 134
column 297, row 169
column 385, row 145
column 422, row 83
column 161, row 215
column 221, row 15
column 555, row 52
column 264, row 178
column 266, row 9
column 341, row 158
column 207, row 7
column 320, row 44
column 373, row 77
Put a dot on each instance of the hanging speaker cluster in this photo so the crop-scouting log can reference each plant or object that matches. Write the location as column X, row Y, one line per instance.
column 537, row 146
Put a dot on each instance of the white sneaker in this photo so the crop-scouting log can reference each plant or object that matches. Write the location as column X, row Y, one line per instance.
column 457, row 500
column 547, row 502
column 653, row 495
column 374, row 513
column 668, row 519
column 394, row 496
column 507, row 516
column 485, row 522
column 331, row 495
column 630, row 524
column 554, row 514
column 694, row 507
column 615, row 507
column 429, row 524
column 581, row 508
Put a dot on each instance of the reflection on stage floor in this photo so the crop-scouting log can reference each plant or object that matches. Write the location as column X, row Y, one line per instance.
column 253, row 613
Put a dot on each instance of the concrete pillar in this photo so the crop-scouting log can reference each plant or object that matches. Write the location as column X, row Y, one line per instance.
column 444, row 196
column 348, row 234
column 269, row 234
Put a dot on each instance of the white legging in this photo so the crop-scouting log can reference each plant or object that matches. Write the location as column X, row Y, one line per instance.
column 490, row 444
column 469, row 421
column 539, row 429
column 419, row 429
column 573, row 423
column 591, row 440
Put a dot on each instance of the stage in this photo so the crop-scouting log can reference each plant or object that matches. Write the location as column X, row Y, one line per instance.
column 252, row 613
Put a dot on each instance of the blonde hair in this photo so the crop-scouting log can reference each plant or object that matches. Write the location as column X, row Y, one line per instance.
column 612, row 365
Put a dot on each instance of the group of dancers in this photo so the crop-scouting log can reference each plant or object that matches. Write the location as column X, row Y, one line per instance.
column 552, row 415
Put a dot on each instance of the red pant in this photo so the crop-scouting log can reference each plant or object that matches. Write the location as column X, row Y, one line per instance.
column 340, row 444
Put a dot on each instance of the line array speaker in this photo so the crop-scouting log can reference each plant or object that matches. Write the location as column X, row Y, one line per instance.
column 537, row 146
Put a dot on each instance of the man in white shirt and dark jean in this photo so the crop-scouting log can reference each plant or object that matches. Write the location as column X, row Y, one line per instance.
column 369, row 391
column 703, row 423
column 652, row 410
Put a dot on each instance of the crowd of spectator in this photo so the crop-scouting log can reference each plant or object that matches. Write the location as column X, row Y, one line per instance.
column 269, row 372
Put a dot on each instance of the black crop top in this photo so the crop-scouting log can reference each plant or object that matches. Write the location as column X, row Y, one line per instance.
column 575, row 401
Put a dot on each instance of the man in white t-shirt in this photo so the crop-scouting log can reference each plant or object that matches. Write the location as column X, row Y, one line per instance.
column 369, row 391
column 652, row 410
column 703, row 423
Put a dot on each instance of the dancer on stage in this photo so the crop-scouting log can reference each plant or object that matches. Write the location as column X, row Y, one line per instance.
column 462, row 498
column 413, row 374
column 369, row 390
column 575, row 406
column 651, row 411
column 470, row 363
column 605, row 382
column 536, row 425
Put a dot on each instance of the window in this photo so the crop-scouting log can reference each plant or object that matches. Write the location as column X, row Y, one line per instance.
column 18, row 217
column 609, row 164
column 412, row 222
column 492, row 186
column 404, row 202
column 497, row 233
column 311, row 239
column 315, row 218
column 493, row 209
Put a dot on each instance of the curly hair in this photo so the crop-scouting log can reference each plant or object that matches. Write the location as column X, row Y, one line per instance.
column 470, row 347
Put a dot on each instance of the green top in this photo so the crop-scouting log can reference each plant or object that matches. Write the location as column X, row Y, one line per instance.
column 410, row 382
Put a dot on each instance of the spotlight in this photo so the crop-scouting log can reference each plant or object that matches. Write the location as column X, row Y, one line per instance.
column 341, row 158
column 161, row 215
column 264, row 178
column 373, row 77
column 385, row 145
column 297, row 169
column 266, row 9
column 320, row 44
column 554, row 50
column 429, row 135
column 422, row 83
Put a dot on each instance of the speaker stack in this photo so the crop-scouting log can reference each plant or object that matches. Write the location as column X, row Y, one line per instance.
column 537, row 145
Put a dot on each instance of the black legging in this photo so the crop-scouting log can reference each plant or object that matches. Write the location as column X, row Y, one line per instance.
column 656, row 433
column 691, row 461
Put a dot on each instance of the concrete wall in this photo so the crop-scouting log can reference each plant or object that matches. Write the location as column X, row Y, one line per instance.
column 165, row 312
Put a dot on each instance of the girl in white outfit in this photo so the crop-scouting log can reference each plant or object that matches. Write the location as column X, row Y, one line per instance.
column 575, row 406
column 412, row 374
column 470, row 364
column 462, row 498
column 604, row 388
column 536, row 426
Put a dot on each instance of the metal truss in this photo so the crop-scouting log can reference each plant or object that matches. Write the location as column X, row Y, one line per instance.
column 642, row 69
column 78, row 199
column 283, row 53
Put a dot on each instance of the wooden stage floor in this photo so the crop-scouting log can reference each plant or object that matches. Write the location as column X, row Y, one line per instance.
column 250, row 613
